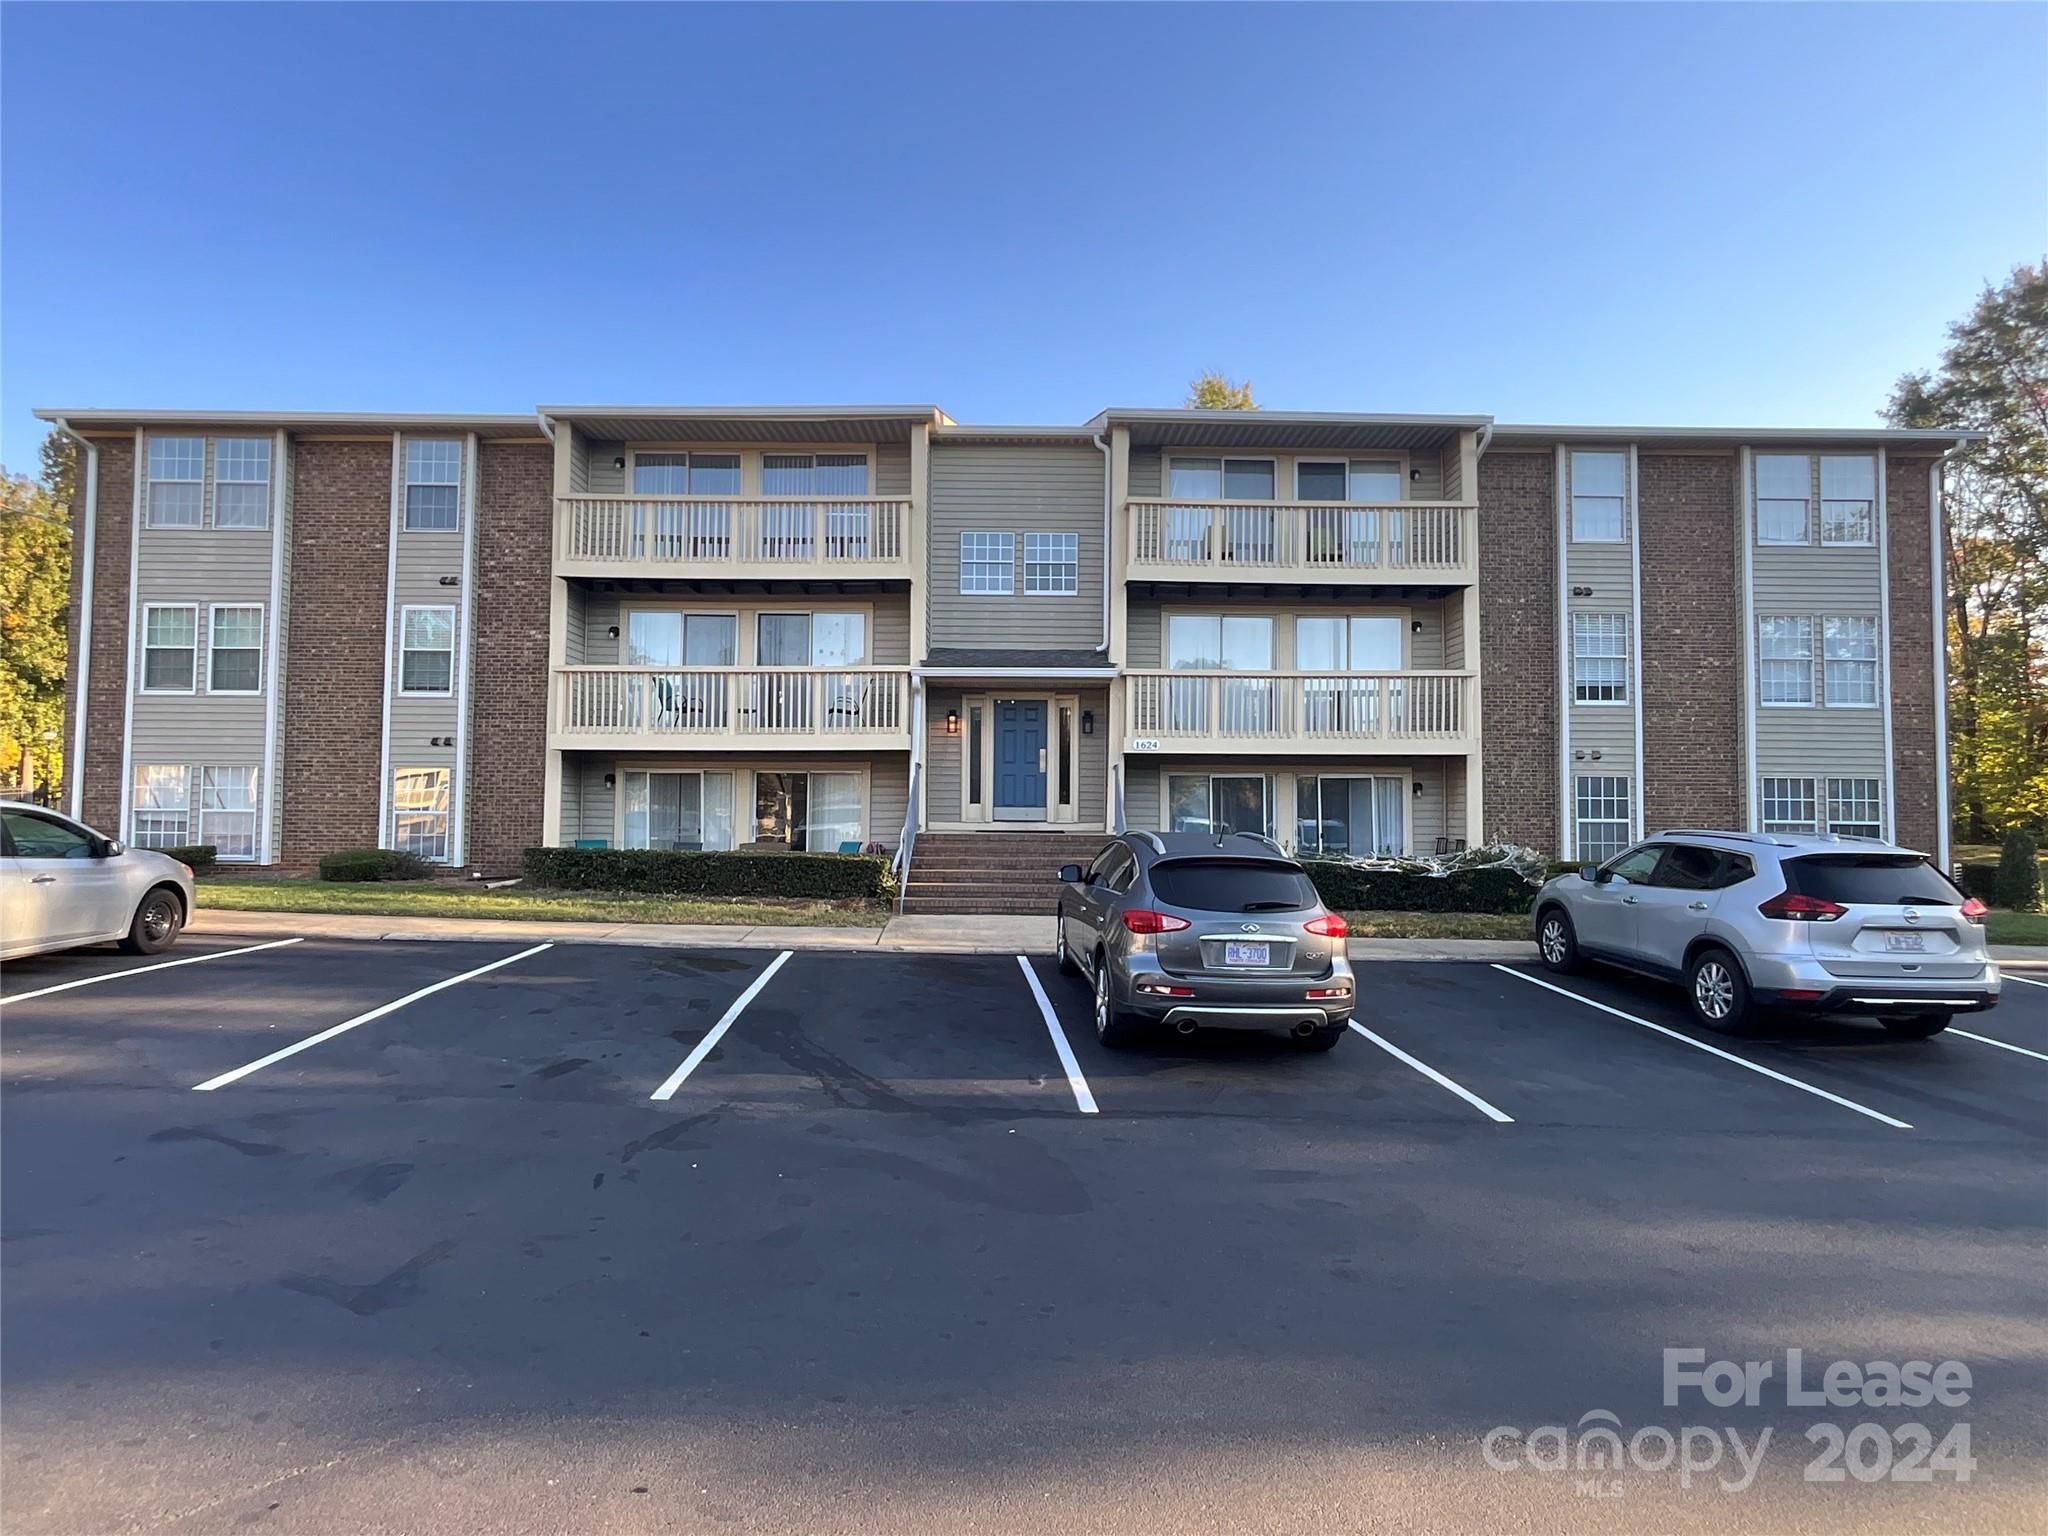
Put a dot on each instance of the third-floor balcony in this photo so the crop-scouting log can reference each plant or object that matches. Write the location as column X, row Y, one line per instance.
column 865, row 537
column 1401, row 542
column 1312, row 713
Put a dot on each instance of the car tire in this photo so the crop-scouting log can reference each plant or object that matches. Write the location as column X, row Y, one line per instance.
column 1060, row 957
column 158, row 917
column 1113, row 1027
column 1718, row 992
column 1557, row 941
column 1916, row 1026
column 1324, row 1039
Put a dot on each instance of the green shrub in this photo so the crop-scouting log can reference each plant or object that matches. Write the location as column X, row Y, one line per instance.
column 1558, row 867
column 2018, row 887
column 657, row 872
column 359, row 864
column 199, row 855
column 1349, row 888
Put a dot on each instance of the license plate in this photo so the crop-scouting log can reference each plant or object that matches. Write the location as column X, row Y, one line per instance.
column 1906, row 943
column 1235, row 953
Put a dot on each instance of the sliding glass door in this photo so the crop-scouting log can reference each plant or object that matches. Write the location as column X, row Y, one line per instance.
column 1217, row 803
column 1340, row 643
column 682, row 812
column 1211, row 642
column 1347, row 815
column 818, row 812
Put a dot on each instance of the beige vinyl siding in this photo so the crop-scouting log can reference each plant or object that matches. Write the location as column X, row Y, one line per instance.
column 1607, row 568
column 579, row 458
column 424, row 558
column 1147, row 473
column 1819, row 581
column 943, row 786
column 1453, row 486
column 1091, row 790
column 1143, row 794
column 281, row 627
column 1454, row 635
column 590, row 810
column 1454, row 797
column 892, row 469
column 605, row 478
column 1015, row 489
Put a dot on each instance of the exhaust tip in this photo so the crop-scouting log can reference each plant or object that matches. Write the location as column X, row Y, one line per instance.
column 1304, row 1029
column 1185, row 1026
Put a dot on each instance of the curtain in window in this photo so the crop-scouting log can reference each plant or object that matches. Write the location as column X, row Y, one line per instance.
column 835, row 811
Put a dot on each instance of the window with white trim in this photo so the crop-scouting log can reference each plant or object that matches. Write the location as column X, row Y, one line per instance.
column 812, row 474
column 1599, row 494
column 1788, row 805
column 1220, row 479
column 1600, row 820
column 227, row 810
column 234, row 648
column 163, row 806
column 177, row 482
column 1599, row 658
column 1784, row 498
column 419, row 805
column 1848, row 499
column 426, row 650
column 1856, row 807
column 987, row 563
column 433, row 485
column 1849, row 666
column 1051, row 564
column 688, row 474
column 1785, row 659
column 170, row 648
column 1372, row 480
column 241, row 482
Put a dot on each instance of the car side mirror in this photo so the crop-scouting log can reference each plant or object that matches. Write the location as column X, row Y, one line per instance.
column 1070, row 874
column 108, row 848
column 1589, row 872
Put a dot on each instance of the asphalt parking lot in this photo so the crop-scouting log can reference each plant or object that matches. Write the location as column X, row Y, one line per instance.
column 324, row 1236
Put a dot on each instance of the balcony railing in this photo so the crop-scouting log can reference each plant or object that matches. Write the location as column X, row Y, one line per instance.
column 1311, row 711
column 726, row 706
column 803, row 537
column 1319, row 540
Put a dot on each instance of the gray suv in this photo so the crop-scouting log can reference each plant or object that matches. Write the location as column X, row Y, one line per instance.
column 1747, row 922
column 1197, row 931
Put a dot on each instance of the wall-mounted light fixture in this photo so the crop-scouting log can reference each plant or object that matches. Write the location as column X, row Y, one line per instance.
column 1417, row 790
column 451, row 581
column 1582, row 591
column 1415, row 626
column 618, row 461
column 1414, row 474
column 1087, row 722
column 952, row 722
column 611, row 781
column 613, row 631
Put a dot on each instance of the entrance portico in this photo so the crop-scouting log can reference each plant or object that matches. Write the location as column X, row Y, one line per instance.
column 1017, row 747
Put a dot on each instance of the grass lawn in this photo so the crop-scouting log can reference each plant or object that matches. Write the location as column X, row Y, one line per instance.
column 1435, row 925
column 2017, row 927
column 441, row 898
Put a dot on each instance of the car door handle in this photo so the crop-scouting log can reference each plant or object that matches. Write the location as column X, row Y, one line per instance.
column 42, row 879
column 1695, row 906
column 1628, row 901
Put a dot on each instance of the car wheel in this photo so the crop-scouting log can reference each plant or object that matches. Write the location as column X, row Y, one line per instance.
column 156, row 925
column 1113, row 1027
column 1060, row 957
column 1719, row 992
column 1557, row 942
column 1324, row 1039
column 1916, row 1026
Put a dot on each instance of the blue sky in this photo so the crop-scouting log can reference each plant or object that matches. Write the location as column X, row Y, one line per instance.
column 1747, row 214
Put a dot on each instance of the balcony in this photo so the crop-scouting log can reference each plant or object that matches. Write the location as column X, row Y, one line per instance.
column 654, row 536
column 723, row 708
column 1405, row 542
column 1312, row 713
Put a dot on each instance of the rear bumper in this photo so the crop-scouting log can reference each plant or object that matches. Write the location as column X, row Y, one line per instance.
column 1233, row 1002
column 1879, row 999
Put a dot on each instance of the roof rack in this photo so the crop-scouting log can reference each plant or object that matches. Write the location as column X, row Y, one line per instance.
column 1158, row 845
column 1733, row 837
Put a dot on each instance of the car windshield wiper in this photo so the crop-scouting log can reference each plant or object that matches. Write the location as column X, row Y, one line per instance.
column 1267, row 906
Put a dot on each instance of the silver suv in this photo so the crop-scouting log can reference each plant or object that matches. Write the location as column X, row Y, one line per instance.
column 1747, row 922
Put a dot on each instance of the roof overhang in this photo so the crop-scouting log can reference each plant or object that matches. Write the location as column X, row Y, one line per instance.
column 954, row 432
column 1932, row 440
column 1336, row 431
column 748, row 423
column 98, row 419
column 1012, row 674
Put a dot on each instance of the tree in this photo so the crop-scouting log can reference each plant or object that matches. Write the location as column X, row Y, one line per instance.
column 1217, row 392
column 35, row 589
column 1993, row 378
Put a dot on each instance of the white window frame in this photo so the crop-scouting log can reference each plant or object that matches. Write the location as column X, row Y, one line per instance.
column 213, row 648
column 219, row 480
column 732, row 779
column 143, row 806
column 1603, row 626
column 407, row 524
column 1806, row 661
column 442, row 813
column 1788, row 825
column 1620, row 534
column 1054, row 566
column 1874, row 823
column 142, row 676
column 405, row 613
column 1757, row 498
column 813, row 455
column 1830, row 662
column 1007, row 543
column 150, row 519
column 1222, row 460
column 743, row 815
column 209, row 784
column 1868, row 502
column 1602, row 800
column 688, row 466
column 1350, row 466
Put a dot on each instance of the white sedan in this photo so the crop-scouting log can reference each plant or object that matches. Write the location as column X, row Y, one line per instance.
column 61, row 883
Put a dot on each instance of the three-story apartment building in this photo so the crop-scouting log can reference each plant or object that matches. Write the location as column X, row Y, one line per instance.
column 834, row 628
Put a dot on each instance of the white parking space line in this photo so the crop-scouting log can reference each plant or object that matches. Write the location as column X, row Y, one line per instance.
column 1711, row 1050
column 1083, row 1099
column 161, row 965
column 362, row 1018
column 1987, row 1040
column 1435, row 1076
column 691, row 1062
column 2025, row 981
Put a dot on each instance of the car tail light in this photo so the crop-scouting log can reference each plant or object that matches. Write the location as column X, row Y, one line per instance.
column 1795, row 908
column 1801, row 995
column 1316, row 994
column 1328, row 926
column 1975, row 911
column 1153, row 922
column 1164, row 989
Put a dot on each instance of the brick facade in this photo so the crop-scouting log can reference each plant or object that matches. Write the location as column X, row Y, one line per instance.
column 1909, row 552
column 333, row 698
column 509, row 701
column 1692, row 638
column 107, row 688
column 1518, row 644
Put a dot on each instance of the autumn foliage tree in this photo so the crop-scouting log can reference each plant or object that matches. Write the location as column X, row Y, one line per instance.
column 35, row 582
column 1218, row 392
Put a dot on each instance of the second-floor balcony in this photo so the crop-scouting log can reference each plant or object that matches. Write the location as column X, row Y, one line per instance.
column 1405, row 542
column 720, row 708
column 1314, row 713
column 756, row 538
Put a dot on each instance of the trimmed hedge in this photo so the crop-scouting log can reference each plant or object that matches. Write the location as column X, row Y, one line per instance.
column 1980, row 880
column 2018, row 883
column 198, row 855
column 362, row 864
column 1348, row 888
column 658, row 872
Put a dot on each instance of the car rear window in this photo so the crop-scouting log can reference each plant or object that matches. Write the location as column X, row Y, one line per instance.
column 1872, row 879
column 1232, row 885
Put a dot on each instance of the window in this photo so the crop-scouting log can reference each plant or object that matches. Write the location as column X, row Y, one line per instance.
column 177, row 482
column 1599, row 658
column 1872, row 879
column 1785, row 659
column 1788, row 805
column 1850, row 666
column 1784, row 492
column 1602, row 819
column 1063, row 756
column 1848, row 500
column 818, row 812
column 986, row 563
column 1855, row 808
column 804, row 474
column 419, row 802
column 234, row 650
column 426, row 650
column 39, row 837
column 163, row 805
column 433, row 485
column 170, row 647
column 1231, row 885
column 227, row 811
column 241, row 482
column 1210, row 642
column 1638, row 866
column 1599, row 491
column 678, row 811
column 1220, row 480
column 1347, row 480
column 1687, row 868
column 973, row 751
column 693, row 474
column 1215, row 803
column 1050, row 564
column 1345, row 816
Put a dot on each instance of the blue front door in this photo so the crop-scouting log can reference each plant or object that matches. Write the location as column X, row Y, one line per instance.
column 1020, row 759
